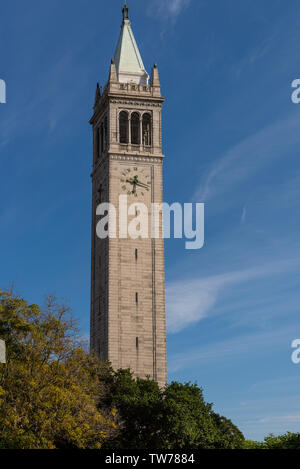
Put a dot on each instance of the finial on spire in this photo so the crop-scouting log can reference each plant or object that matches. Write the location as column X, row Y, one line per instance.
column 97, row 95
column 125, row 11
column 113, row 72
column 155, row 82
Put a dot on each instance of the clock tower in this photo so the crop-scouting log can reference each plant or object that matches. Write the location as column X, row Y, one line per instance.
column 128, row 325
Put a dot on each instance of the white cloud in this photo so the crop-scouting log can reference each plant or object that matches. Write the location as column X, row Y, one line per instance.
column 249, row 156
column 176, row 6
column 281, row 419
column 189, row 301
column 169, row 8
column 244, row 214
column 258, row 343
column 49, row 105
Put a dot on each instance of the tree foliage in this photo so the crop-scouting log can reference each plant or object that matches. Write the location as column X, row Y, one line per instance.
column 286, row 441
column 53, row 394
column 49, row 388
column 176, row 417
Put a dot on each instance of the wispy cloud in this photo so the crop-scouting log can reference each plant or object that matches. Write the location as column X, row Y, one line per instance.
column 262, row 50
column 244, row 214
column 46, row 106
column 281, row 419
column 249, row 156
column 227, row 350
column 169, row 9
column 189, row 301
column 276, row 412
column 259, row 52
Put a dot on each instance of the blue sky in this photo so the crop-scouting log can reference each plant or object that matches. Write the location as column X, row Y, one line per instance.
column 231, row 139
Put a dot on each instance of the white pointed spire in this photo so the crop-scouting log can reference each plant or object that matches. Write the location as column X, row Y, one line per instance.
column 128, row 60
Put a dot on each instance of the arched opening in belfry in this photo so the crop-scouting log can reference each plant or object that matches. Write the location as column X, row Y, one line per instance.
column 147, row 137
column 123, row 123
column 135, row 128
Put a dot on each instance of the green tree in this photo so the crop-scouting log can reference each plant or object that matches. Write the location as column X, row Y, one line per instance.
column 49, row 388
column 228, row 436
column 250, row 444
column 53, row 394
column 176, row 417
column 287, row 441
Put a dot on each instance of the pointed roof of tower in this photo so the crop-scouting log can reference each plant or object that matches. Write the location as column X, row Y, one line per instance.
column 128, row 60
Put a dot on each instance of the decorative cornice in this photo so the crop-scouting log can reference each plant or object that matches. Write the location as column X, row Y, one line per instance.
column 135, row 98
column 147, row 159
column 141, row 103
column 122, row 157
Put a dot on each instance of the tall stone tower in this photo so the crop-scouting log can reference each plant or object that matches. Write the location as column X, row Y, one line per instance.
column 128, row 283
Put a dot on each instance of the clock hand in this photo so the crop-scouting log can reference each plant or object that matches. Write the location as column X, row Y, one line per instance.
column 133, row 181
column 142, row 184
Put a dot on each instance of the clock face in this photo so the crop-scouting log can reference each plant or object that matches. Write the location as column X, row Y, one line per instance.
column 135, row 181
